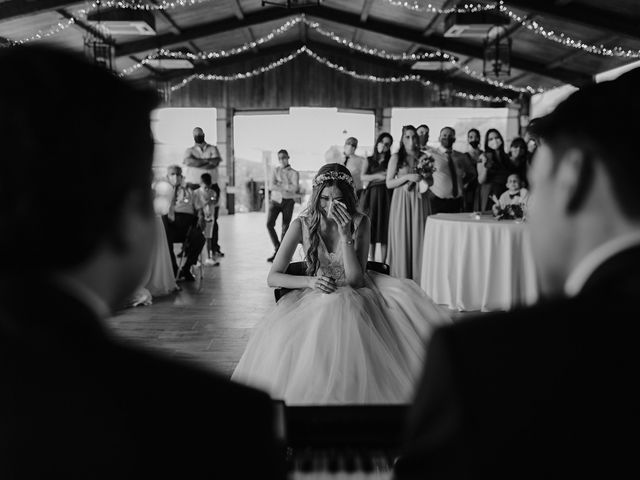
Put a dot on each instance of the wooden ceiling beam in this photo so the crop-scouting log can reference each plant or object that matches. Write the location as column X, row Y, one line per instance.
column 86, row 27
column 352, row 20
column 598, row 19
column 19, row 8
column 577, row 52
column 331, row 51
column 448, row 44
column 203, row 30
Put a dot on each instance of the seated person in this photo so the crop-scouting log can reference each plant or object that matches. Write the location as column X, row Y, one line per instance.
column 516, row 194
column 181, row 224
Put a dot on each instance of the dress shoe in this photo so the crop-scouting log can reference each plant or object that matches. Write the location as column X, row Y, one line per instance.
column 185, row 276
column 270, row 259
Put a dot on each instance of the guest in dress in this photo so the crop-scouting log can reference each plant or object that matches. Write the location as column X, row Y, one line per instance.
column 208, row 199
column 376, row 199
column 518, row 155
column 493, row 173
column 409, row 209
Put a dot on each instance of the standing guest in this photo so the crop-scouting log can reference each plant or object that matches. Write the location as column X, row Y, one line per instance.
column 76, row 401
column 409, row 209
column 518, row 155
column 548, row 391
column 446, row 193
column 201, row 158
column 473, row 199
column 208, row 200
column 493, row 173
column 354, row 163
column 376, row 199
column 181, row 224
column 423, row 136
column 531, row 140
column 285, row 183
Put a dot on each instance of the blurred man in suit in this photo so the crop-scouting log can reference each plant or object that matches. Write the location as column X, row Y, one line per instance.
column 75, row 402
column 548, row 391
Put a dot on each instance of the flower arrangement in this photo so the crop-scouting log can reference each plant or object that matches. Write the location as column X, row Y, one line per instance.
column 425, row 168
column 513, row 211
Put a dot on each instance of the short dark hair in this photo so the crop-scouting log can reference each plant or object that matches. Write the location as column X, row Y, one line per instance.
column 283, row 152
column 603, row 120
column 473, row 130
column 206, row 178
column 96, row 127
column 177, row 169
column 423, row 126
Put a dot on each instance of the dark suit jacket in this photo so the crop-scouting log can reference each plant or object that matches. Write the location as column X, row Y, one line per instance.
column 542, row 392
column 75, row 403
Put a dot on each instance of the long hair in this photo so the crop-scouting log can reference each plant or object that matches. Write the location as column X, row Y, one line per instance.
column 314, row 214
column 375, row 156
column 500, row 151
column 402, row 153
column 519, row 142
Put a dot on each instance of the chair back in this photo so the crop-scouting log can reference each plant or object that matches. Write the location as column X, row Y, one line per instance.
column 300, row 269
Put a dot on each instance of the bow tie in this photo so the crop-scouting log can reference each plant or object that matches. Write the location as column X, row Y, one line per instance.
column 514, row 195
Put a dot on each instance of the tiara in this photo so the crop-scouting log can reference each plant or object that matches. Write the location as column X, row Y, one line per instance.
column 333, row 175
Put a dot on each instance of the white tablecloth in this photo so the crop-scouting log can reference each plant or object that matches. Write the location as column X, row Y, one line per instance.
column 477, row 264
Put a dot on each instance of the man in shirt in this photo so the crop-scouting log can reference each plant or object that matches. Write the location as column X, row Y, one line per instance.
column 549, row 391
column 284, row 186
column 423, row 136
column 471, row 187
column 201, row 158
column 181, row 224
column 354, row 163
column 76, row 401
column 451, row 167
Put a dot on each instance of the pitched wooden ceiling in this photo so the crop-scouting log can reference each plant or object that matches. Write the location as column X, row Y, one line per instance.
column 223, row 24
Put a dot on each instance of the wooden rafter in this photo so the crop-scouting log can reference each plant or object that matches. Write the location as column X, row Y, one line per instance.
column 335, row 51
column 595, row 18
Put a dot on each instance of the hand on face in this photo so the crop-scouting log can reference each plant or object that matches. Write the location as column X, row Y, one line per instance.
column 338, row 211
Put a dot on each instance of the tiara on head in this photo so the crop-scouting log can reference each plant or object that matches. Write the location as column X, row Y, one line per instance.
column 333, row 175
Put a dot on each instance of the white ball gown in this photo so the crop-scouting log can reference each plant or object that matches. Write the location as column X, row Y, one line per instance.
column 353, row 346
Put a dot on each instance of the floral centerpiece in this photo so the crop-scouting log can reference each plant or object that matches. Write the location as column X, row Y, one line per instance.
column 513, row 211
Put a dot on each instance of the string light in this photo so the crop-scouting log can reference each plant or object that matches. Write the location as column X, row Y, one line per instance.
column 443, row 56
column 164, row 5
column 215, row 54
column 531, row 25
column 40, row 34
column 338, row 68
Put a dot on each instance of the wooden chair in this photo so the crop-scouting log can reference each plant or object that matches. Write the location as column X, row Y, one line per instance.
column 299, row 269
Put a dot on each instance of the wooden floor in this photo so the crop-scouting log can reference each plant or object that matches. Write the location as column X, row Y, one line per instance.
column 210, row 321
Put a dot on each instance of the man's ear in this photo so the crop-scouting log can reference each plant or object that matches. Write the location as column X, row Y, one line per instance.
column 575, row 177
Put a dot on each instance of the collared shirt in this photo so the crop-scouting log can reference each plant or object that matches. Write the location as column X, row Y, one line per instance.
column 208, row 151
column 590, row 263
column 284, row 183
column 442, row 182
column 186, row 201
column 84, row 295
column 355, row 164
column 508, row 198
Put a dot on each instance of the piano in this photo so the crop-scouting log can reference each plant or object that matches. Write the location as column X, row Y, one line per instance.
column 340, row 442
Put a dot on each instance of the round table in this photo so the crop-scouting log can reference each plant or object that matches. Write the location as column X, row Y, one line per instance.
column 475, row 262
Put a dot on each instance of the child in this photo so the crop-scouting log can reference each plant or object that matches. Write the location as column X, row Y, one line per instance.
column 208, row 198
column 516, row 194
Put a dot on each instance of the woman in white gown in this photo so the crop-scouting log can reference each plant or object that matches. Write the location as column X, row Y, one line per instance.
column 345, row 335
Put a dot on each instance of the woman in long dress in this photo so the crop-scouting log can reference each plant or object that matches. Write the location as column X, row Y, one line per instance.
column 376, row 199
column 493, row 172
column 344, row 335
column 409, row 209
